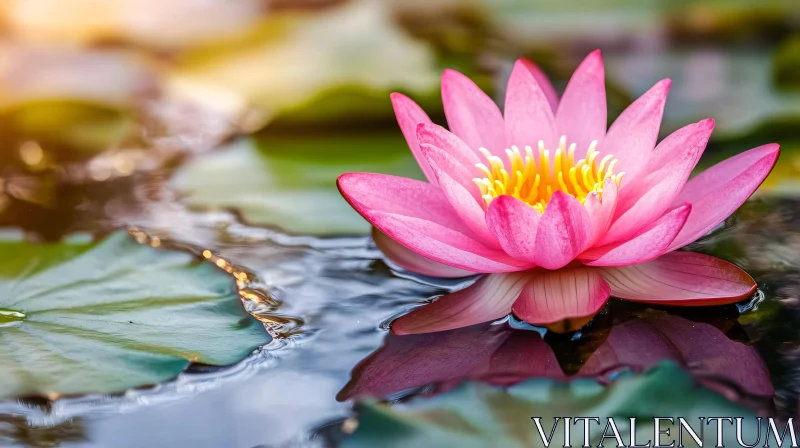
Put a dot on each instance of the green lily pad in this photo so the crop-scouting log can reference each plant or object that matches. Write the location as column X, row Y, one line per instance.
column 290, row 182
column 479, row 415
column 80, row 317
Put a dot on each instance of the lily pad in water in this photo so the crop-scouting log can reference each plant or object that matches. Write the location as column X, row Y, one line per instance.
column 479, row 415
column 80, row 317
column 290, row 183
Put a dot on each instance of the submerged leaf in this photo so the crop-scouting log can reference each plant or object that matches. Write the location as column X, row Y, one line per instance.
column 78, row 317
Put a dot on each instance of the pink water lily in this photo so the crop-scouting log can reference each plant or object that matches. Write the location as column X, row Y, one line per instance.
column 560, row 212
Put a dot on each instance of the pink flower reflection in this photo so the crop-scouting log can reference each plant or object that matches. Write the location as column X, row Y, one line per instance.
column 500, row 355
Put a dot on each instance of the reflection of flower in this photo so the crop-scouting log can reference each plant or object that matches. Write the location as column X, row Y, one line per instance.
column 569, row 214
column 500, row 355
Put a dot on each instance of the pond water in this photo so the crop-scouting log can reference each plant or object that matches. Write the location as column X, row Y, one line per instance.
column 259, row 200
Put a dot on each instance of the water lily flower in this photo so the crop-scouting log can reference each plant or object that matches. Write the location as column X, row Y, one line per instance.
column 559, row 211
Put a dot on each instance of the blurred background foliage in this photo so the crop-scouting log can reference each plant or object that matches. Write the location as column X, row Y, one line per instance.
column 95, row 89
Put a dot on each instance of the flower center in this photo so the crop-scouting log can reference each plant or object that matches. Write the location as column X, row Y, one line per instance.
column 535, row 184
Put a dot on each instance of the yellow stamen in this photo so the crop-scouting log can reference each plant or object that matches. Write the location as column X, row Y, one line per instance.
column 532, row 178
column 557, row 168
column 486, row 171
column 577, row 185
column 586, row 181
column 501, row 187
column 602, row 165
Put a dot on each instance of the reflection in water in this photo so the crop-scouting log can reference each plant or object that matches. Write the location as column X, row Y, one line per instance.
column 500, row 355
column 478, row 415
column 52, row 210
column 15, row 430
column 765, row 240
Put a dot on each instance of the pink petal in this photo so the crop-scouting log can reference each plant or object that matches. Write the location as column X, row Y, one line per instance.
column 442, row 244
column 528, row 116
column 435, row 135
column 513, row 224
column 471, row 114
column 648, row 196
column 718, row 191
column 695, row 135
column 409, row 114
column 644, row 212
column 543, row 81
column 488, row 299
column 418, row 216
column 601, row 210
column 634, row 133
column 458, row 172
column 456, row 184
column 400, row 195
column 682, row 279
column 647, row 245
column 410, row 261
column 563, row 231
column 564, row 300
column 582, row 113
